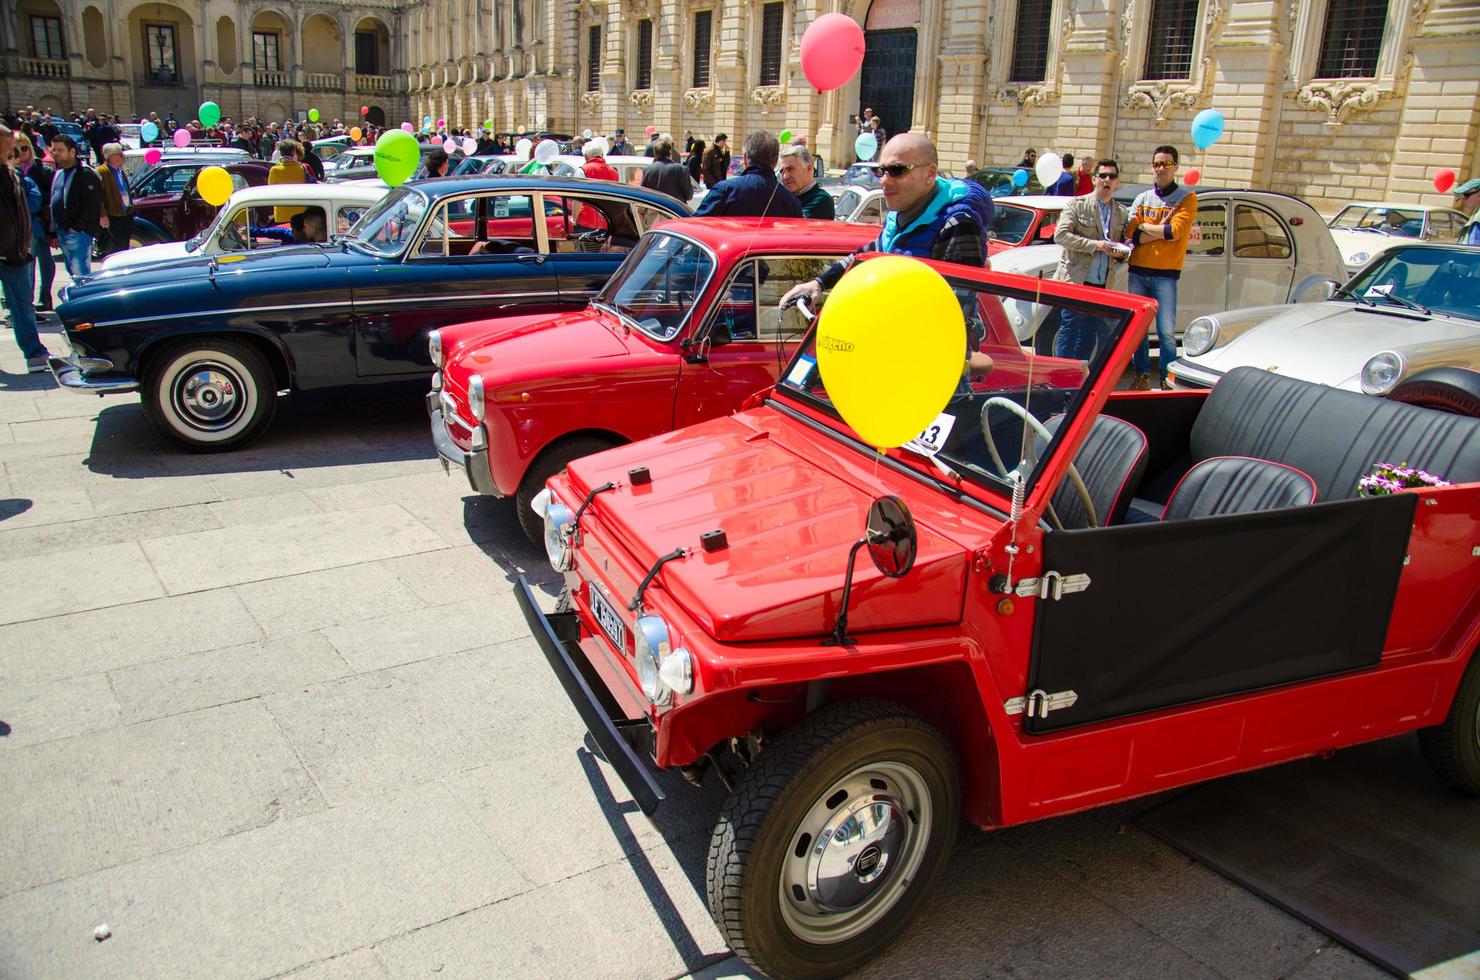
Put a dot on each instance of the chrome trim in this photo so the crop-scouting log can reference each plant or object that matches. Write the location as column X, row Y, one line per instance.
column 698, row 295
column 473, row 463
column 71, row 372
column 325, row 306
column 1194, row 375
column 704, row 329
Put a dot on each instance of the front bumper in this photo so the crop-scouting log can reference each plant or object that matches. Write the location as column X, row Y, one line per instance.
column 558, row 635
column 1185, row 375
column 74, row 373
column 473, row 462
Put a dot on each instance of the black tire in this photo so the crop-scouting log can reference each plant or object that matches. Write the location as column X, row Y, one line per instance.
column 1452, row 748
column 209, row 395
column 1047, row 331
column 546, row 465
column 766, row 882
column 1449, row 389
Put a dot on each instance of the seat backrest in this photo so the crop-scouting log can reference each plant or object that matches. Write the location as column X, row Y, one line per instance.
column 1237, row 485
column 1335, row 436
column 1111, row 462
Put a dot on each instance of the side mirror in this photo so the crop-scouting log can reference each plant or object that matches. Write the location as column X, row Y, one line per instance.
column 1046, row 231
column 719, row 333
column 892, row 541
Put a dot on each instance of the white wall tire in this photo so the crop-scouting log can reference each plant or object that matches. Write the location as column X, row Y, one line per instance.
column 210, row 395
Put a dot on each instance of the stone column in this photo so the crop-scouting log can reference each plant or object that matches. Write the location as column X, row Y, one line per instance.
column 1250, row 89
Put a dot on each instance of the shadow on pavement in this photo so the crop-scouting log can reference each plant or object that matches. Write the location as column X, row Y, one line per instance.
column 13, row 507
column 493, row 525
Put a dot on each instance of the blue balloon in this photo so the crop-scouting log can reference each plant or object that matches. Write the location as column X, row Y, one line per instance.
column 148, row 132
column 866, row 146
column 427, row 120
column 1207, row 128
column 1020, row 178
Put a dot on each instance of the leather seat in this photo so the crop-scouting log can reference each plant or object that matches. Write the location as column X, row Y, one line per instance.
column 1237, row 485
column 1111, row 462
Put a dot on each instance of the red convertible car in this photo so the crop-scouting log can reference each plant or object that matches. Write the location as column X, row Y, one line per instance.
column 686, row 330
column 1085, row 595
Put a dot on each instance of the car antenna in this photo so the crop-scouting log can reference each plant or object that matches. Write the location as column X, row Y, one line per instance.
column 1019, row 483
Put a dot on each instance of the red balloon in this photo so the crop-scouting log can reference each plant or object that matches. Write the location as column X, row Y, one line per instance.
column 364, row 110
column 1192, row 176
column 1443, row 180
column 651, row 130
column 832, row 51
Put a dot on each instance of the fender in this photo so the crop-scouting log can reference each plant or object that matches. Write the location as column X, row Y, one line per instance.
column 279, row 356
column 143, row 226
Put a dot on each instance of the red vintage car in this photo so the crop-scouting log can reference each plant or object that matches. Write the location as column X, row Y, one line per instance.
column 686, row 330
column 1084, row 596
column 169, row 208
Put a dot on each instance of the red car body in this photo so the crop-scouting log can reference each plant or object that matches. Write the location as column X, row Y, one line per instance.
column 970, row 638
column 175, row 215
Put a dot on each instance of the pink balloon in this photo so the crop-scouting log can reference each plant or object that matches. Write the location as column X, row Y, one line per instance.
column 441, row 123
column 450, row 145
column 182, row 138
column 651, row 130
column 408, row 127
column 153, row 155
column 469, row 145
column 832, row 51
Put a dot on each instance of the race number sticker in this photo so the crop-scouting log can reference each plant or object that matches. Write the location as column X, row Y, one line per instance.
column 933, row 439
column 801, row 371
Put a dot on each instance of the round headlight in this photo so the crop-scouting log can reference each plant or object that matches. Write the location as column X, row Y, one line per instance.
column 1382, row 372
column 558, row 520
column 651, row 644
column 677, row 671
column 1200, row 336
column 1358, row 258
column 434, row 347
column 475, row 396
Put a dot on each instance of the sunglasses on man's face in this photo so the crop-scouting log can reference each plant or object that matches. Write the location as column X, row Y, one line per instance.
column 1107, row 176
column 895, row 170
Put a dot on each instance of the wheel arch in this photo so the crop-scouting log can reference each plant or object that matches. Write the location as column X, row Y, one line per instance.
column 276, row 355
column 144, row 225
column 609, row 436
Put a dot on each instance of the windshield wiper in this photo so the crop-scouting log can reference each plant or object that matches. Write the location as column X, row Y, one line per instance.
column 626, row 320
column 1393, row 297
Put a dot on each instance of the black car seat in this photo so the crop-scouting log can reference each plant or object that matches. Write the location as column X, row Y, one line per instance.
column 1238, row 485
column 1111, row 462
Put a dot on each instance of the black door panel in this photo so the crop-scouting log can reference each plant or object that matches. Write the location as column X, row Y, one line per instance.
column 888, row 78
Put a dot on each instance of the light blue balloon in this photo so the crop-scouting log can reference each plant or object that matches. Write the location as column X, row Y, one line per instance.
column 866, row 146
column 427, row 120
column 1020, row 178
column 1207, row 128
column 148, row 132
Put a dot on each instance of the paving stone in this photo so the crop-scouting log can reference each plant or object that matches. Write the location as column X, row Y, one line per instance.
column 200, row 680
column 386, row 641
column 128, row 496
column 265, row 509
column 43, row 537
column 53, row 430
column 42, row 509
column 362, row 964
column 74, row 406
column 85, row 643
column 269, row 899
column 39, row 586
column 350, row 594
column 208, row 559
column 453, row 574
column 44, row 712
column 110, row 797
column 330, row 470
column 378, row 732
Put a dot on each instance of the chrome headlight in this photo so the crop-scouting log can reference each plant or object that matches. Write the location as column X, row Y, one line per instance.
column 1200, row 336
column 651, row 644
column 677, row 671
column 475, row 396
column 1382, row 372
column 434, row 347
column 559, row 524
column 1358, row 258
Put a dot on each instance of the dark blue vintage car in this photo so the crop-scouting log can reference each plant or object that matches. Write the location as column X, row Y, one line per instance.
column 210, row 342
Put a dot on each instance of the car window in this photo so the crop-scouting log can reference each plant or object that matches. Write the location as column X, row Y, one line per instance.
column 1443, row 227
column 1010, row 224
column 347, row 217
column 252, row 229
column 750, row 309
column 389, row 225
column 452, row 229
column 238, row 182
column 508, row 226
column 1259, row 235
column 1209, row 230
column 1350, row 216
column 1441, row 279
column 648, row 216
column 1403, row 222
column 872, row 213
column 658, row 283
column 176, row 179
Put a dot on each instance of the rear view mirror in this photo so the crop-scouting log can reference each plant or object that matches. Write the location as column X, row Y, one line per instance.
column 892, row 540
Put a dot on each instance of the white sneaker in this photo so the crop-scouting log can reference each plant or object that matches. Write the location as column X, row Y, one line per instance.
column 37, row 364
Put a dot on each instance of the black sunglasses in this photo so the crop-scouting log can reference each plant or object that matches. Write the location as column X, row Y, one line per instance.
column 1108, row 176
column 892, row 169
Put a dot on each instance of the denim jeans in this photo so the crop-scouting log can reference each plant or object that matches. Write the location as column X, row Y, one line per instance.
column 1078, row 334
column 46, row 267
column 76, row 252
column 1163, row 289
column 18, row 282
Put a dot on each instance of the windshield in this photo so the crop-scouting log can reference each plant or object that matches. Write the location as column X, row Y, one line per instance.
column 1443, row 280
column 391, row 224
column 1406, row 222
column 658, row 284
column 1010, row 224
column 1000, row 420
column 848, row 203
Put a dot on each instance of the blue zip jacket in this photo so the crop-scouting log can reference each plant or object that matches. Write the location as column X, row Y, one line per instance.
column 755, row 192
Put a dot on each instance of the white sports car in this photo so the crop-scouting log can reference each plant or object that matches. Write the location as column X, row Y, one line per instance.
column 1412, row 311
column 1365, row 229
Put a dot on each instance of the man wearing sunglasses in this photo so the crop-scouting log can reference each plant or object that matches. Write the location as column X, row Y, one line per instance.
column 1089, row 231
column 1159, row 229
column 929, row 218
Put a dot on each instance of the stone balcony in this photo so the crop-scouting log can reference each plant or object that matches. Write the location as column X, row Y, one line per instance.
column 321, row 81
column 272, row 79
column 373, row 83
column 42, row 68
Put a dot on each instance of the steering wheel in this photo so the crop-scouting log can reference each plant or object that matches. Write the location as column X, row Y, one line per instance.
column 1041, row 430
column 591, row 240
column 232, row 236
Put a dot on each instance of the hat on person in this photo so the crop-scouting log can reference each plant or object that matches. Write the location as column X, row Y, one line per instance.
column 1468, row 187
column 621, row 132
column 720, row 136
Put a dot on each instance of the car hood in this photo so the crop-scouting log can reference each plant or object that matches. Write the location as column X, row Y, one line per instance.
column 1329, row 342
column 522, row 343
column 1372, row 242
column 789, row 524
column 287, row 261
column 1027, row 260
column 146, row 254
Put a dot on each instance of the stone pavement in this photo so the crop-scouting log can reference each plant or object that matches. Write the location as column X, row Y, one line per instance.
column 275, row 713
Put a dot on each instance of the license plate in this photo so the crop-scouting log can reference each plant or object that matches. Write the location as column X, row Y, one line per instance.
column 607, row 618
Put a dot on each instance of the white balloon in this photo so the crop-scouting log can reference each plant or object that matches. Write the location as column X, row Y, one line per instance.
column 522, row 149
column 1050, row 168
column 450, row 145
column 469, row 145
column 546, row 152
column 585, row 134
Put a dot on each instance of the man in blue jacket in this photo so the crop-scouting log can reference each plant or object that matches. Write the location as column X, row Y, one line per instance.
column 755, row 191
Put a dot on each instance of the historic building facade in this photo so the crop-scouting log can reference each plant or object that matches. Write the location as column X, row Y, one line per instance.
column 1328, row 99
column 274, row 59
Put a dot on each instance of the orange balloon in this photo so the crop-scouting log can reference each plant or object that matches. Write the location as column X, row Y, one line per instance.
column 355, row 133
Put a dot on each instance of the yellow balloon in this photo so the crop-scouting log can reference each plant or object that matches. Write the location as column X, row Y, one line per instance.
column 355, row 133
column 891, row 346
column 214, row 185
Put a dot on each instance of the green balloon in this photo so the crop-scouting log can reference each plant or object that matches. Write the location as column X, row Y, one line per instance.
column 209, row 114
column 488, row 124
column 785, row 136
column 397, row 155
column 313, row 115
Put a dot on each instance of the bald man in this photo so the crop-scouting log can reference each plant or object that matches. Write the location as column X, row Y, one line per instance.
column 929, row 217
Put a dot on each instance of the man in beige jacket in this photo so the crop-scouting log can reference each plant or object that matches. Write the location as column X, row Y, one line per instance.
column 1089, row 231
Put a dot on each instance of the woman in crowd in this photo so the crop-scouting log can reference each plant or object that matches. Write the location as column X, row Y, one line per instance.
column 28, row 164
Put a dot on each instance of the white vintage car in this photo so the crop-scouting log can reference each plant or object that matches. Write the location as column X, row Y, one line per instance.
column 1365, row 229
column 246, row 222
column 1410, row 312
column 1280, row 252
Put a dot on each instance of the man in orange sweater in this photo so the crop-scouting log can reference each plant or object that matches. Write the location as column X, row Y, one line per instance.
column 1161, row 220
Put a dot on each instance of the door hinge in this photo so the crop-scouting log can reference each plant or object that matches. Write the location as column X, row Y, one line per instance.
column 1037, row 704
column 1052, row 585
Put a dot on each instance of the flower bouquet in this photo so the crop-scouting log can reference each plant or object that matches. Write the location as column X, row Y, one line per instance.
column 1386, row 478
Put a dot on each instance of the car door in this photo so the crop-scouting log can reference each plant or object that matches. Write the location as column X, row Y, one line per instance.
column 475, row 256
column 1203, row 285
column 590, row 235
column 746, row 339
column 1261, row 268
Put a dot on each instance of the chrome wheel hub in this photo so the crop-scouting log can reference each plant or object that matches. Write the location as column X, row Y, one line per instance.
column 855, row 852
column 208, row 396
